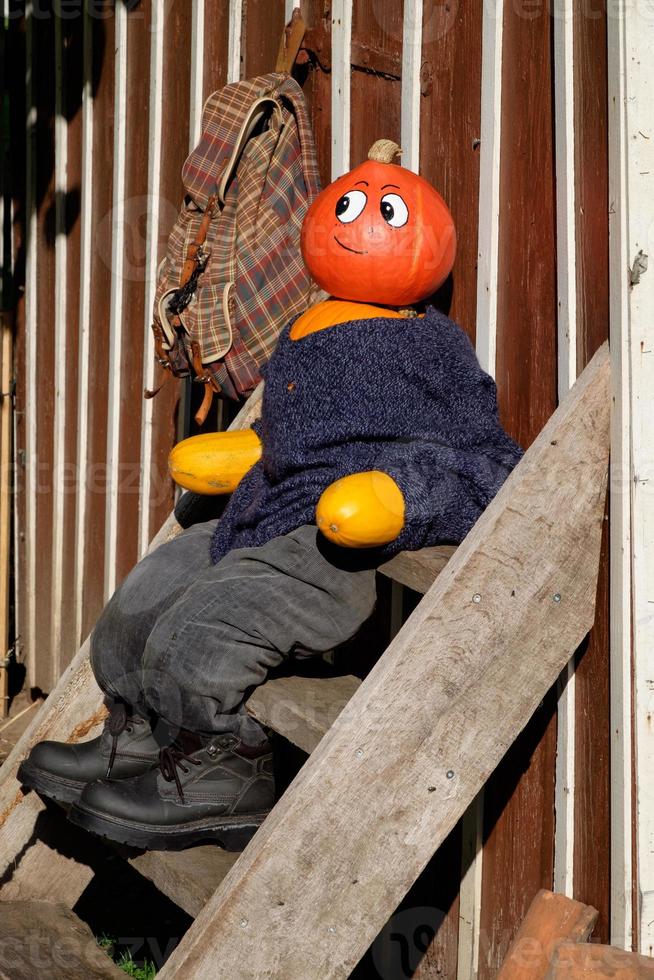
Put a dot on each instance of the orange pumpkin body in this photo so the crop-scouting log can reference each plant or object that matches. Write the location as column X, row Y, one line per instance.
column 379, row 234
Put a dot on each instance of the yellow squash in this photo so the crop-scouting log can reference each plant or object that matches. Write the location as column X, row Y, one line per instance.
column 364, row 510
column 214, row 462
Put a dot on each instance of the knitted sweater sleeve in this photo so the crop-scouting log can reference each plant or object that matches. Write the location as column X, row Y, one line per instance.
column 453, row 467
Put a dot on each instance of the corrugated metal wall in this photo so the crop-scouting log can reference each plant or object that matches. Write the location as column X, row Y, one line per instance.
column 504, row 108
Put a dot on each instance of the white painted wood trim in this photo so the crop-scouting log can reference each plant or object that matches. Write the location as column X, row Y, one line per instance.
column 566, row 272
column 411, row 62
column 289, row 7
column 60, row 357
column 83, row 371
column 197, row 71
column 489, row 184
column 639, row 146
column 470, row 889
column 116, row 301
column 31, row 320
column 151, row 265
column 620, row 501
column 341, row 85
column 234, row 41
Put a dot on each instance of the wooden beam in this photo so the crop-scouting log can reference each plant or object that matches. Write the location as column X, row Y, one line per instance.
column 428, row 725
column 188, row 878
column 302, row 709
column 38, row 939
column 551, row 920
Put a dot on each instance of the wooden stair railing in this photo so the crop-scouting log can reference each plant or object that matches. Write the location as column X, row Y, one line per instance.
column 411, row 748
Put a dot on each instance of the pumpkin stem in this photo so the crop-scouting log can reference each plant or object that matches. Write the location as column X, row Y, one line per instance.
column 384, row 151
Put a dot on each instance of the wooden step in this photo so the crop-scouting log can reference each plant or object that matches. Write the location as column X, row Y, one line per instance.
column 39, row 939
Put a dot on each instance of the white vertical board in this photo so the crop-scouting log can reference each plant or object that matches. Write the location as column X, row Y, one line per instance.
column 486, row 347
column 234, row 40
column 31, row 297
column 197, row 71
column 116, row 300
column 489, row 183
column 86, row 251
column 564, row 132
column 155, row 117
column 620, row 503
column 341, row 91
column 411, row 62
column 639, row 146
column 289, row 7
column 60, row 356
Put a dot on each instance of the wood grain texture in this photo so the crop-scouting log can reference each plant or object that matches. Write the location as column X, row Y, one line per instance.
column 450, row 129
column 376, row 98
column 592, row 713
column 98, row 394
column 134, row 266
column 428, row 725
column 519, row 800
column 302, row 709
column 595, row 962
column 551, row 920
column 42, row 939
column 263, row 24
column 189, row 878
column 418, row 569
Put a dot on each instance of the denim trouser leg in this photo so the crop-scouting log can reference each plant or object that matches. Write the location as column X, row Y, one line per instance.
column 198, row 654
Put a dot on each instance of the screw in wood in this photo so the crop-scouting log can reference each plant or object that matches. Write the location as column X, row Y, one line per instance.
column 243, row 923
column 450, row 773
column 359, row 753
column 476, row 598
column 556, row 597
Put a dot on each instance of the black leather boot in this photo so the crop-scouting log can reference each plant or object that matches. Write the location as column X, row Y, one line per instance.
column 61, row 770
column 219, row 791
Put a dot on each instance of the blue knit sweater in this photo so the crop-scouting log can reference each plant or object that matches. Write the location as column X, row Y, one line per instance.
column 404, row 396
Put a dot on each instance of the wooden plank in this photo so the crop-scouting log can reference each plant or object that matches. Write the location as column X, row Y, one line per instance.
column 592, row 831
column 302, row 709
column 411, row 63
column 263, row 25
column 566, row 286
column 594, row 962
column 418, row 570
column 519, row 823
column 42, row 939
column 83, row 343
column 621, row 862
column 551, row 921
column 639, row 149
column 234, row 71
column 6, row 456
column 189, row 878
column 341, row 92
column 428, row 725
column 490, row 133
column 375, row 98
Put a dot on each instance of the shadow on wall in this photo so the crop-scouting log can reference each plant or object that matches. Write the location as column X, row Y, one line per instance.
column 49, row 20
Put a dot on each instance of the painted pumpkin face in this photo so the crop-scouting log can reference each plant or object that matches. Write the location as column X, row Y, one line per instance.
column 379, row 234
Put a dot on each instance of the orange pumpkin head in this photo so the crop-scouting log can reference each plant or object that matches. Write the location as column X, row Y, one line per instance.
column 379, row 234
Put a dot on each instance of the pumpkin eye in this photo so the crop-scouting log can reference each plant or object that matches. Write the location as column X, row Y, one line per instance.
column 350, row 206
column 394, row 210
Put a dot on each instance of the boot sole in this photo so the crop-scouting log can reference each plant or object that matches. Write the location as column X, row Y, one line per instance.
column 45, row 784
column 231, row 833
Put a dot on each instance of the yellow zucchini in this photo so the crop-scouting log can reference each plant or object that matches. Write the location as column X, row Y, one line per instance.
column 363, row 510
column 214, row 462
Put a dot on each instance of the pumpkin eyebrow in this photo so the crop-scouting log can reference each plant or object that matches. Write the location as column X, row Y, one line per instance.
column 362, row 182
column 397, row 186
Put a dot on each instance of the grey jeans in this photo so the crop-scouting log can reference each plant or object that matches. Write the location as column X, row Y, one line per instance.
column 188, row 640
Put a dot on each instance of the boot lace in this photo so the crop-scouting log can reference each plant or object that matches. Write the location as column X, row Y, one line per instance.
column 172, row 758
column 119, row 719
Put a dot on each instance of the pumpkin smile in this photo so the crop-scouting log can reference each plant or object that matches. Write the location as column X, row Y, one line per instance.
column 347, row 247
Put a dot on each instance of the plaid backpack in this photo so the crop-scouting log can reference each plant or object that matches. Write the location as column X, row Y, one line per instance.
column 233, row 275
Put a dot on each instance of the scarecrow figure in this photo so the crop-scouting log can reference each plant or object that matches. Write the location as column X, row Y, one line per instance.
column 379, row 434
